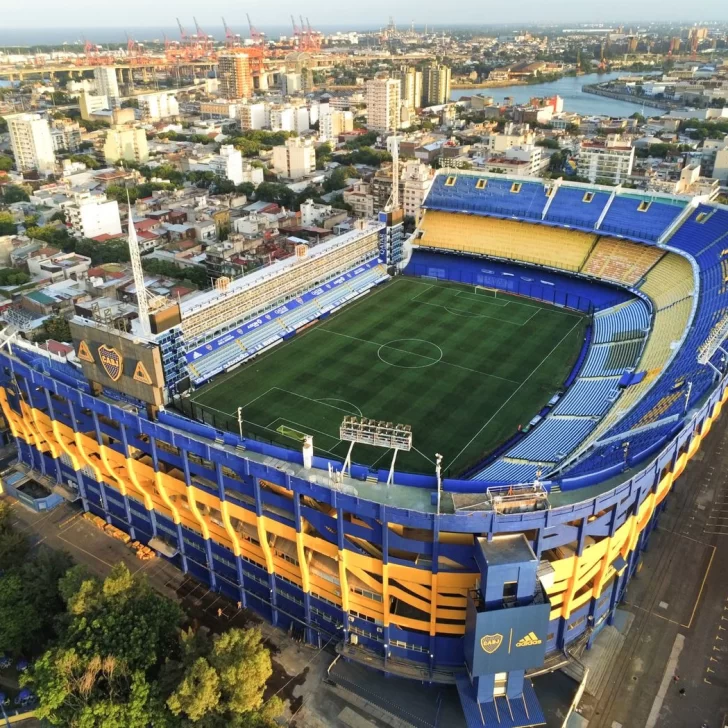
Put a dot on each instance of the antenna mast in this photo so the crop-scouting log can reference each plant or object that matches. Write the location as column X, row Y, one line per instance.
column 138, row 272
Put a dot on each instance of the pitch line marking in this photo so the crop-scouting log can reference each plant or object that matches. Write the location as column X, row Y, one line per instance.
column 497, row 412
column 446, row 363
column 388, row 345
column 336, row 399
column 470, row 314
column 204, row 389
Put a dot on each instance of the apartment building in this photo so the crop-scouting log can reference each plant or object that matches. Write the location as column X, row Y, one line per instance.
column 335, row 123
column 158, row 106
column 410, row 86
column 127, row 143
column 32, row 143
column 607, row 161
column 236, row 79
column 107, row 85
column 93, row 215
column 66, row 135
column 436, row 86
column 295, row 159
column 383, row 104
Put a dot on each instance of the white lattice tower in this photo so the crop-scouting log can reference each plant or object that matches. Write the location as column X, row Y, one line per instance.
column 395, row 172
column 138, row 272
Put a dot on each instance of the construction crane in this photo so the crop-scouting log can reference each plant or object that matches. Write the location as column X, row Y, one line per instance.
column 232, row 40
column 296, row 30
column 256, row 36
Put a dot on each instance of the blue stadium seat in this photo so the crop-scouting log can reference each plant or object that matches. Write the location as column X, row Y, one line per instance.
column 568, row 207
column 625, row 218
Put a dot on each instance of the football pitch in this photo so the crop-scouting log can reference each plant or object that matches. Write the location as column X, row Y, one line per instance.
column 464, row 366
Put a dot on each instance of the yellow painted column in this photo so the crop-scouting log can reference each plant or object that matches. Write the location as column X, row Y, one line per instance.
column 302, row 562
column 343, row 581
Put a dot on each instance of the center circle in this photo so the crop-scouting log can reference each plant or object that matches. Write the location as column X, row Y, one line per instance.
column 410, row 353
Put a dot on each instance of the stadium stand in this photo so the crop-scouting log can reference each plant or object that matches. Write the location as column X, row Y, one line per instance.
column 611, row 359
column 576, row 207
column 621, row 323
column 249, row 340
column 641, row 218
column 669, row 281
column 620, row 261
column 553, row 439
column 500, row 197
column 506, row 239
column 589, row 397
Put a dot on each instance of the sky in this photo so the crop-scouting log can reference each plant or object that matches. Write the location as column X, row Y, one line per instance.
column 366, row 13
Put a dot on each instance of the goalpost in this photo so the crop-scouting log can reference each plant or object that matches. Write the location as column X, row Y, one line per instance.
column 485, row 291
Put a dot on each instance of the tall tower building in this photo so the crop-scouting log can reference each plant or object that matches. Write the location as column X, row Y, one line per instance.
column 236, row 79
column 410, row 86
column 383, row 104
column 32, row 143
column 435, row 85
column 107, row 85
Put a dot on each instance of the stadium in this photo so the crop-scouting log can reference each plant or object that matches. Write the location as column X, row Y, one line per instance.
column 443, row 455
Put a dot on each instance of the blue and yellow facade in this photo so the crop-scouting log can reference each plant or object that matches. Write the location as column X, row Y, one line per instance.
column 305, row 554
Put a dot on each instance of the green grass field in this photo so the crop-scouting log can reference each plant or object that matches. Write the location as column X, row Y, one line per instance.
column 462, row 366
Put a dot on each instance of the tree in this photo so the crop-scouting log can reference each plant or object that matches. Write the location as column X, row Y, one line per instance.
column 7, row 226
column 13, row 193
column 548, row 143
column 220, row 682
column 323, row 155
column 55, row 327
column 100, row 673
column 198, row 693
column 13, row 544
column 6, row 163
column 3, row 125
column 29, row 589
column 337, row 179
column 88, row 160
column 275, row 192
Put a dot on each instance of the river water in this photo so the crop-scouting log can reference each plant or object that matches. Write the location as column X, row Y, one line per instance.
column 569, row 88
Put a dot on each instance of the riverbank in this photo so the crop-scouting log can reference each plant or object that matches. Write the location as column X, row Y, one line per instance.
column 598, row 90
column 486, row 84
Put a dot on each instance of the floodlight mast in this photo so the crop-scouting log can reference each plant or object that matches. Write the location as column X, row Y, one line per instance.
column 377, row 433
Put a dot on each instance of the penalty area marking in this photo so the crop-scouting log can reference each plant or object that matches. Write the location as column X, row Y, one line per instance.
column 432, row 361
column 323, row 401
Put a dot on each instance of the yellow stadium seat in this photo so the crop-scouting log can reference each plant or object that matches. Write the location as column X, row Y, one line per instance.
column 557, row 248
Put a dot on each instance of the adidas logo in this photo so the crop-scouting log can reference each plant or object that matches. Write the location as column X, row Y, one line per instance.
column 530, row 640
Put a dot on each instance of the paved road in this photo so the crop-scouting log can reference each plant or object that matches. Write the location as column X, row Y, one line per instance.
column 680, row 603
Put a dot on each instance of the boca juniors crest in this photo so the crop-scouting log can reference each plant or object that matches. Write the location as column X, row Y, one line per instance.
column 111, row 361
column 491, row 642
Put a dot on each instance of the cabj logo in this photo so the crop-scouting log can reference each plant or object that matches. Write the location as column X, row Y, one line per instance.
column 491, row 642
column 530, row 640
column 111, row 361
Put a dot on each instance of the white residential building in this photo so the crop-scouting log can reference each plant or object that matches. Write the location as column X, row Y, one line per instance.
column 157, row 106
column 513, row 135
column 290, row 83
column 91, row 216
column 295, row 159
column 282, row 118
column 609, row 160
column 127, row 143
column 228, row 164
column 335, row 123
column 66, row 135
column 107, row 85
column 383, row 104
column 32, row 143
column 90, row 105
column 252, row 116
